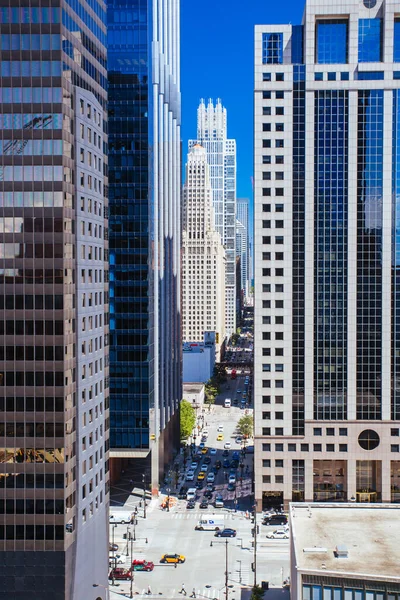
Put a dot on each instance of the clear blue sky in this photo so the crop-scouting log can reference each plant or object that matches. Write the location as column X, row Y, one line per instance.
column 217, row 62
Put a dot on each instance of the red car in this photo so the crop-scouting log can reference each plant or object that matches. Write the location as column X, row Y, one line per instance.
column 142, row 565
column 124, row 574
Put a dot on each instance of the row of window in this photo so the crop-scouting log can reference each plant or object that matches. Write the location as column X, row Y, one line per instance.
column 29, row 173
column 37, row 302
column 92, row 182
column 11, row 429
column 92, row 137
column 278, row 143
column 30, row 68
column 32, row 353
column 35, row 199
column 306, row 447
column 267, row 159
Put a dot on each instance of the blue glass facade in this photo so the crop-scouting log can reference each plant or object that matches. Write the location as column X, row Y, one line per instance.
column 272, row 50
column 131, row 310
column 396, row 41
column 144, row 177
column 369, row 40
column 369, row 254
column 395, row 404
column 297, row 44
column 330, row 252
column 332, row 41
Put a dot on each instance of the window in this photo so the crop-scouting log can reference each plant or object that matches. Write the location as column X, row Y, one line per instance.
column 332, row 76
column 279, row 463
column 279, row 239
column 279, row 175
column 330, row 431
column 266, row 143
column 317, row 431
column 278, row 478
column 266, row 430
column 266, row 478
column 330, row 447
column 279, row 143
column 279, row 110
column 266, row 95
column 279, row 127
column 344, row 76
column 279, row 368
column 279, row 383
column 279, row 160
column 304, row 447
column 331, row 41
column 278, row 430
column 342, row 447
column 371, row 75
column 292, row 447
column 266, row 127
column 394, row 448
column 278, row 447
column 395, row 432
column 272, row 48
column 279, row 207
column 266, row 176
column 266, row 399
column 280, row 77
column 396, row 41
column 266, row 192
column 318, row 76
column 266, row 463
column 317, row 447
column 279, row 95
column 369, row 40
column 266, row 76
column 279, row 416
column 266, row 447
column 266, row 160
column 266, row 208
column 266, row 415
column 266, row 111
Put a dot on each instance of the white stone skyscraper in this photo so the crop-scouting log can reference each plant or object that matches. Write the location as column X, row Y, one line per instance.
column 203, row 259
column 242, row 243
column 221, row 157
column 327, row 248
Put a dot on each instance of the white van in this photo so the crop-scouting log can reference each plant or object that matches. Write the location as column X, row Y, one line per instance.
column 191, row 494
column 123, row 516
column 211, row 523
column 228, row 403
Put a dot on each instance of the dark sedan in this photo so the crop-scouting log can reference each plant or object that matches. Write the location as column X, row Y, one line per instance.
column 225, row 533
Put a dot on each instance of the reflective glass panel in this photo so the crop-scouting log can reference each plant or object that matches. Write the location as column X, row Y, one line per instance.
column 332, row 41
column 369, row 40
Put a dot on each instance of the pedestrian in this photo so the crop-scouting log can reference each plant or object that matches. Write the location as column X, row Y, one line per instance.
column 193, row 593
column 183, row 591
column 148, row 590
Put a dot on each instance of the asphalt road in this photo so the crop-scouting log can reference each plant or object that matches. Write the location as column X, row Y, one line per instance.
column 173, row 532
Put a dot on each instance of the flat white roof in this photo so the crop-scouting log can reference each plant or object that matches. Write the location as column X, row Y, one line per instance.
column 369, row 532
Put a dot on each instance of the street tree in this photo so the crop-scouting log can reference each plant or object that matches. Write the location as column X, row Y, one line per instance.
column 245, row 426
column 257, row 593
column 188, row 419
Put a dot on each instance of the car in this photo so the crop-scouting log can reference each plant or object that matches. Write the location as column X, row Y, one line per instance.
column 207, row 460
column 201, row 476
column 214, row 470
column 201, row 445
column 236, row 454
column 194, row 466
column 191, row 504
column 225, row 533
column 211, row 477
column 113, row 547
column 238, row 440
column 231, row 487
column 220, row 437
column 277, row 519
column 172, row 558
column 199, row 484
column 208, row 494
column 238, row 391
column 210, row 486
column 204, row 467
column 225, row 453
column 203, row 438
column 182, row 492
column 278, row 534
column 213, row 451
column 205, row 432
column 234, row 464
column 196, row 458
column 220, row 429
column 227, row 463
column 219, row 501
column 232, row 479
column 227, row 445
column 204, row 503
column 204, row 450
column 189, row 476
column 142, row 565
column 218, row 464
column 118, row 573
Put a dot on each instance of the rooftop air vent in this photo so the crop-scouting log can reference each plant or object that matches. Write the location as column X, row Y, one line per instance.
column 341, row 551
column 315, row 549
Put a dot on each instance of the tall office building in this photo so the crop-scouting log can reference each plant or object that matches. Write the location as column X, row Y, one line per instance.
column 242, row 242
column 327, row 301
column 221, row 157
column 145, row 239
column 203, row 256
column 53, row 301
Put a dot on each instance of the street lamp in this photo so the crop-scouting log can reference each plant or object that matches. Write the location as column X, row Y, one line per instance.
column 144, row 495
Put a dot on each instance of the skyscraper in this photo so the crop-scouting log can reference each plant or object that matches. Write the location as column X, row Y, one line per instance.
column 221, row 157
column 145, row 222
column 53, row 301
column 327, row 189
column 203, row 256
column 242, row 242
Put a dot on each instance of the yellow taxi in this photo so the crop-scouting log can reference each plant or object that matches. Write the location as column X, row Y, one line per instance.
column 172, row 558
column 201, row 476
column 204, row 450
column 220, row 437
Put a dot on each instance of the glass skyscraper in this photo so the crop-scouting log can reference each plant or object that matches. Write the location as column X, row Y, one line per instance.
column 327, row 418
column 145, row 222
column 53, row 300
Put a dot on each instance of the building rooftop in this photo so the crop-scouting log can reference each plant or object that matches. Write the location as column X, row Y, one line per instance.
column 194, row 388
column 366, row 538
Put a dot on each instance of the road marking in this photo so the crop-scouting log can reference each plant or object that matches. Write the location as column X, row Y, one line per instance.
column 175, row 593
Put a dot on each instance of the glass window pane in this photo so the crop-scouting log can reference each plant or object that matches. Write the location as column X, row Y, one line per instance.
column 327, row 593
column 396, row 41
column 332, row 41
column 272, row 49
column 369, row 40
column 306, row 592
column 316, row 592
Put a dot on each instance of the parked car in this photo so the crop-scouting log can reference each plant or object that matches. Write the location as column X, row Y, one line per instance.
column 219, row 502
column 278, row 534
column 124, row 574
column 142, row 565
column 172, row 558
column 225, row 533
column 275, row 520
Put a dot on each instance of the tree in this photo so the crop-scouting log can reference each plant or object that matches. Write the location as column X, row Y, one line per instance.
column 257, row 593
column 211, row 392
column 245, row 426
column 187, row 419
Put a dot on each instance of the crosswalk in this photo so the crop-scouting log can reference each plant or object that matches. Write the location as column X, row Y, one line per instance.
column 198, row 515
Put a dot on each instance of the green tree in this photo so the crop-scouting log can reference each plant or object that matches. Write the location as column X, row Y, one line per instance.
column 245, row 426
column 257, row 593
column 211, row 391
column 188, row 419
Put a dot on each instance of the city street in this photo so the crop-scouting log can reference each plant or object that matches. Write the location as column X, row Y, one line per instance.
column 173, row 531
